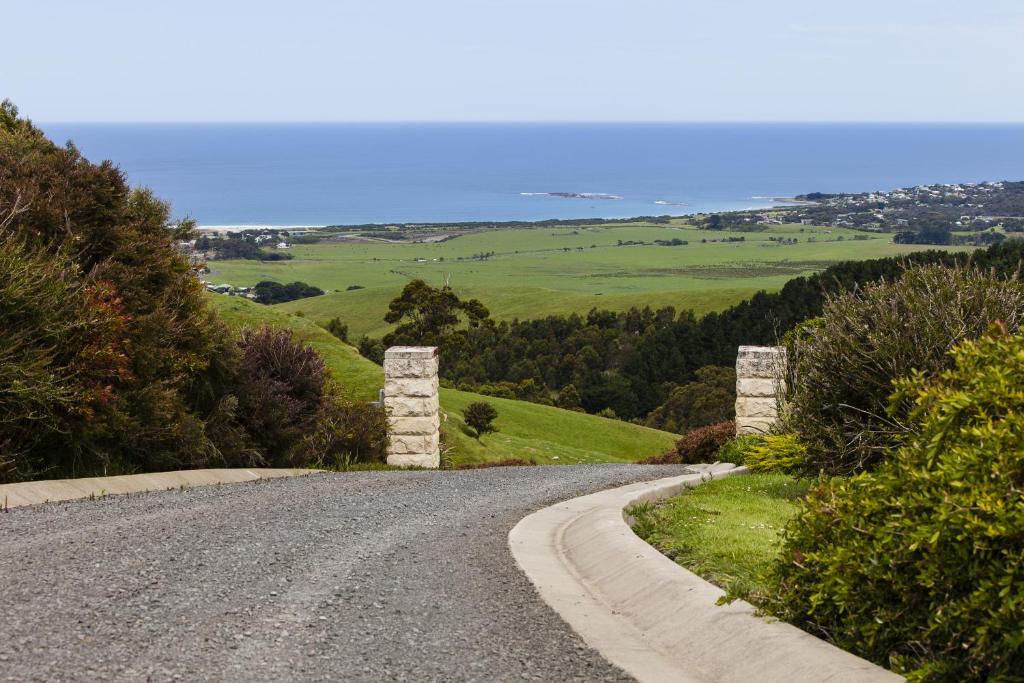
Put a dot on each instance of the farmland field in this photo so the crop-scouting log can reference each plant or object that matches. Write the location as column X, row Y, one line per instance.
column 549, row 270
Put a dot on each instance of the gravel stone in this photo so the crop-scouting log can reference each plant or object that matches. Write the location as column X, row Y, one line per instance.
column 360, row 576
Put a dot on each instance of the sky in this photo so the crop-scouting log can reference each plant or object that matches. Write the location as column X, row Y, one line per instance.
column 514, row 60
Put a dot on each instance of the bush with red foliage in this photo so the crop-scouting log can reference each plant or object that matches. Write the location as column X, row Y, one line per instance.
column 698, row 445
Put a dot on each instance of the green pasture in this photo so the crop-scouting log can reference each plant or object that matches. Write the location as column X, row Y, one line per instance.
column 541, row 271
column 525, row 430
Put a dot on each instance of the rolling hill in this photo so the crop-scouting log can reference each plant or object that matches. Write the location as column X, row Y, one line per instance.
column 544, row 434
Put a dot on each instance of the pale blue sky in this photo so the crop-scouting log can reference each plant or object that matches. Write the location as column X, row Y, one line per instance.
column 468, row 60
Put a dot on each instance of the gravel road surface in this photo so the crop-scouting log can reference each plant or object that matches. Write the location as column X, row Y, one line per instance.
column 352, row 576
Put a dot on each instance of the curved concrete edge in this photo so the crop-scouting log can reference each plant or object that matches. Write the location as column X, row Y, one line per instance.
column 62, row 490
column 653, row 618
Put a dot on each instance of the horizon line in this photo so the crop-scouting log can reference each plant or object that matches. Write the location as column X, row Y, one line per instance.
column 753, row 122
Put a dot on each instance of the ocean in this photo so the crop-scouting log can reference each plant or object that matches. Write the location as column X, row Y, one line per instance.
column 232, row 175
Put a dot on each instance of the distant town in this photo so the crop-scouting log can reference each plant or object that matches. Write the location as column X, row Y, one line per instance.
column 925, row 214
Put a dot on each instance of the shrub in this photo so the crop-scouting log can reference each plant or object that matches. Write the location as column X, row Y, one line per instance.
column 843, row 364
column 698, row 445
column 61, row 349
column 775, row 453
column 346, row 433
column 371, row 349
column 282, row 391
column 919, row 565
column 735, row 451
column 120, row 359
column 337, row 328
column 480, row 416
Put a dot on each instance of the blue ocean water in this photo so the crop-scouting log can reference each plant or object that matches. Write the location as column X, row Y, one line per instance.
column 328, row 174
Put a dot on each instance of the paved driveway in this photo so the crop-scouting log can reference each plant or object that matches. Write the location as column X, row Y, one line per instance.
column 354, row 576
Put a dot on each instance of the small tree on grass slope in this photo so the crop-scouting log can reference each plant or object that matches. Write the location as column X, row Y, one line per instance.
column 481, row 416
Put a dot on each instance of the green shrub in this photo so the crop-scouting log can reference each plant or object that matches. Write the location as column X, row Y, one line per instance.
column 843, row 364
column 735, row 451
column 346, row 433
column 698, row 445
column 480, row 415
column 339, row 329
column 775, row 453
column 919, row 565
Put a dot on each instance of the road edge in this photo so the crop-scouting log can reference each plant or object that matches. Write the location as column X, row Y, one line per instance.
column 65, row 490
column 653, row 618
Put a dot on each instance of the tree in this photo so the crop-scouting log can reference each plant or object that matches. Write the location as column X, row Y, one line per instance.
column 710, row 399
column 337, row 328
column 430, row 316
column 480, row 416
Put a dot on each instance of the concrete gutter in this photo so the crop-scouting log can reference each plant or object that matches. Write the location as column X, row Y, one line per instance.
column 652, row 618
column 58, row 490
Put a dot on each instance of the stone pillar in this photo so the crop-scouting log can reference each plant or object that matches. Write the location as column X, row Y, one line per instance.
column 410, row 397
column 760, row 381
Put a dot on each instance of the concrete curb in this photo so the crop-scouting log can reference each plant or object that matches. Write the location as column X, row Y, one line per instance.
column 59, row 490
column 649, row 616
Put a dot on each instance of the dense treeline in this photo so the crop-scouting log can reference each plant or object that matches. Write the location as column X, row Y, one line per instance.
column 270, row 292
column 110, row 360
column 630, row 362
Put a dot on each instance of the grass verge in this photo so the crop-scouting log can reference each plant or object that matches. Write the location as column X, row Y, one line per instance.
column 725, row 531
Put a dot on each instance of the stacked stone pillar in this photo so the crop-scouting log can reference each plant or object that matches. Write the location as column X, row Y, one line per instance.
column 760, row 373
column 411, row 399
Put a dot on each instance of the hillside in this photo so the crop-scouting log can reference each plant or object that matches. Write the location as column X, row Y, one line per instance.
column 525, row 430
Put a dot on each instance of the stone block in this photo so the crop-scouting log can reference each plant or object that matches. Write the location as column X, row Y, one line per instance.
column 396, row 368
column 756, row 386
column 428, row 460
column 754, row 425
column 404, row 444
column 760, row 361
column 424, row 426
column 412, row 387
column 757, row 407
column 409, row 406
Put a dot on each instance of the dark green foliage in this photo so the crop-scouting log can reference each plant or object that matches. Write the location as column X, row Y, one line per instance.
column 430, row 316
column 842, row 365
column 569, row 398
column 110, row 361
column 919, row 565
column 630, row 361
column 372, row 349
column 480, row 416
column 61, row 348
column 337, row 328
column 270, row 292
column 710, row 398
column 139, row 354
column 698, row 445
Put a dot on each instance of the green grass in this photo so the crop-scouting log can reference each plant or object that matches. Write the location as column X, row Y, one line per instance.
column 531, row 275
column 727, row 530
column 529, row 431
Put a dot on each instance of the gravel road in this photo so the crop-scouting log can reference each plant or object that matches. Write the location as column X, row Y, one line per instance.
column 353, row 576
